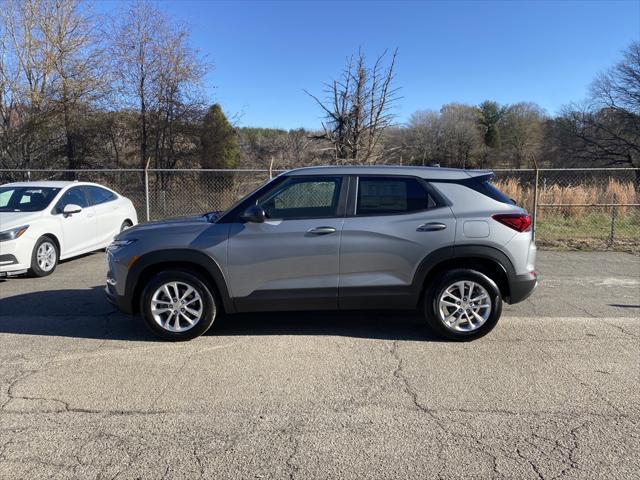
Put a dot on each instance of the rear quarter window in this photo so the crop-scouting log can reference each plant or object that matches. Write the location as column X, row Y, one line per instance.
column 485, row 187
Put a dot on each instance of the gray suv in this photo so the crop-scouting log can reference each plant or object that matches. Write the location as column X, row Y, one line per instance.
column 442, row 241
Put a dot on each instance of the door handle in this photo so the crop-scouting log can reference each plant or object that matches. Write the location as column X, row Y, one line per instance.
column 321, row 230
column 431, row 227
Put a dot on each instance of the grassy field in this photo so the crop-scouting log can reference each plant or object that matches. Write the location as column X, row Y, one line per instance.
column 582, row 226
column 588, row 231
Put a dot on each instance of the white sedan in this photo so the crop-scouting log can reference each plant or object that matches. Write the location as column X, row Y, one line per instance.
column 44, row 222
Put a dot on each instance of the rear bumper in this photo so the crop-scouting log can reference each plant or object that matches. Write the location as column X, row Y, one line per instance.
column 521, row 286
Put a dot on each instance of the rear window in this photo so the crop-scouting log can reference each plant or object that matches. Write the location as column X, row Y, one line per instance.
column 487, row 188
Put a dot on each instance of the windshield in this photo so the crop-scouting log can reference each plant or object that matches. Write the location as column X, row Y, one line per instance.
column 26, row 199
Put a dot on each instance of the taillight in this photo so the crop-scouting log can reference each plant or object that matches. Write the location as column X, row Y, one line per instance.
column 520, row 222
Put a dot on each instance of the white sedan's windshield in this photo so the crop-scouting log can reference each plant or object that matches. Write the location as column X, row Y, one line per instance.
column 26, row 199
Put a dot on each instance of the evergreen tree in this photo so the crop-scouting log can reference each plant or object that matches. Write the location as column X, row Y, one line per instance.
column 219, row 140
column 490, row 115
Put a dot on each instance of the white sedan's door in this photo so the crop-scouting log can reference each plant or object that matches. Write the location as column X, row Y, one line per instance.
column 109, row 215
column 78, row 229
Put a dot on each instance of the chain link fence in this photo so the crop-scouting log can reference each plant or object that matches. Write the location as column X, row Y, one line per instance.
column 572, row 208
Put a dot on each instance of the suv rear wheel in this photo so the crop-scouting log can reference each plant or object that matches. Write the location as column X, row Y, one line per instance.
column 463, row 305
column 178, row 306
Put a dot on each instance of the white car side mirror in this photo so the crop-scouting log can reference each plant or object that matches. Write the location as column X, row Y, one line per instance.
column 71, row 208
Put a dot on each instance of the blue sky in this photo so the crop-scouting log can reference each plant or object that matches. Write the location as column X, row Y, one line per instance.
column 265, row 53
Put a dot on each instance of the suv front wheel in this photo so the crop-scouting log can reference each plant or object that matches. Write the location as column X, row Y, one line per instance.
column 463, row 305
column 178, row 306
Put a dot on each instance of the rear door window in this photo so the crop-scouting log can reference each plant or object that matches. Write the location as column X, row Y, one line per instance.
column 99, row 195
column 391, row 195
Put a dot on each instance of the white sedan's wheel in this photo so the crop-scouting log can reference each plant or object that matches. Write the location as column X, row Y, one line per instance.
column 46, row 256
column 44, row 259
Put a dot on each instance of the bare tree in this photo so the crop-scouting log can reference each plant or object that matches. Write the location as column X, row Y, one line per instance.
column 135, row 59
column 522, row 127
column 608, row 124
column 160, row 76
column 449, row 137
column 50, row 72
column 358, row 108
column 77, row 64
column 26, row 83
column 424, row 137
column 461, row 137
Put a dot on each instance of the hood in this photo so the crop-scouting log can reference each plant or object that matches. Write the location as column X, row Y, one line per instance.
column 160, row 227
column 10, row 220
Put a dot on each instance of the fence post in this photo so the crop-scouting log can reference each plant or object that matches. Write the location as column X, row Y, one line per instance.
column 535, row 204
column 614, row 214
column 146, row 189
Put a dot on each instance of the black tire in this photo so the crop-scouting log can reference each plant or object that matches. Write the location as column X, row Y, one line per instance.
column 126, row 224
column 36, row 270
column 432, row 300
column 207, row 299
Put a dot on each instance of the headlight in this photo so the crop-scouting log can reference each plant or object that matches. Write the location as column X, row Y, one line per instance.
column 13, row 233
column 120, row 243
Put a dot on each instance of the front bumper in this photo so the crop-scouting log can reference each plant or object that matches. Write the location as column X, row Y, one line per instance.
column 121, row 303
column 15, row 256
column 521, row 286
column 116, row 281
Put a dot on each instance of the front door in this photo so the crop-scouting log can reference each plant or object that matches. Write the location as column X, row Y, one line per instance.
column 78, row 229
column 290, row 261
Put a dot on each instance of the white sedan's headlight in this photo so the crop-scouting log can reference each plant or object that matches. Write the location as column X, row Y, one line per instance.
column 12, row 234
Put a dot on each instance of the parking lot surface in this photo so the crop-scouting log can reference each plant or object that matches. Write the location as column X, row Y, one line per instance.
column 552, row 392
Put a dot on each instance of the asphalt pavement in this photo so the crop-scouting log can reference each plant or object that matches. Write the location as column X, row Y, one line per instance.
column 552, row 392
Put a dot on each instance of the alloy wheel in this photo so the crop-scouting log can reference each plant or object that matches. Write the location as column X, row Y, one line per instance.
column 176, row 306
column 464, row 306
column 46, row 256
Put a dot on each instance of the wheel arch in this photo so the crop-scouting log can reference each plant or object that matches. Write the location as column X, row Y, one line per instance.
column 190, row 261
column 55, row 240
column 487, row 260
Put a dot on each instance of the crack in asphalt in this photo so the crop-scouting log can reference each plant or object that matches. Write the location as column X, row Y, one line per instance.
column 566, row 453
column 580, row 381
column 292, row 468
column 532, row 464
column 399, row 374
column 198, row 461
column 622, row 329
column 66, row 407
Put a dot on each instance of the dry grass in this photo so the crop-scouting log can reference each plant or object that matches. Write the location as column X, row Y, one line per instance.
column 613, row 192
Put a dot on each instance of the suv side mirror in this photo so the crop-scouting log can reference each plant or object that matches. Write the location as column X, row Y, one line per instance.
column 254, row 214
column 71, row 208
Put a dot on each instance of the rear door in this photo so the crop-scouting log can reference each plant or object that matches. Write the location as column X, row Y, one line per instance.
column 108, row 215
column 392, row 224
column 78, row 229
column 290, row 261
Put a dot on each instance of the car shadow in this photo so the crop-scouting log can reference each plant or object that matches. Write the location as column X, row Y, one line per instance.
column 85, row 313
